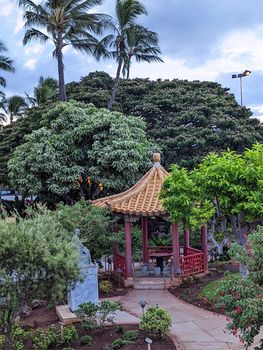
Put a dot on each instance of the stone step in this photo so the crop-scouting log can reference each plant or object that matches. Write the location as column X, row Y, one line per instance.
column 144, row 284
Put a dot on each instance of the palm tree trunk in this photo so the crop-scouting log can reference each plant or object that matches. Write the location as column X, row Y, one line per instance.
column 128, row 68
column 61, row 79
column 116, row 84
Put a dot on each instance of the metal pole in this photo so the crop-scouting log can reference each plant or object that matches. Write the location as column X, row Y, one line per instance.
column 241, row 92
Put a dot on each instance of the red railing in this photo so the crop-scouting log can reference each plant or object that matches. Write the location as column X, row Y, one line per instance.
column 191, row 251
column 161, row 249
column 192, row 264
column 119, row 260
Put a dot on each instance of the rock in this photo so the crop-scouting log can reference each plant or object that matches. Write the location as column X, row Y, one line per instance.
column 38, row 303
column 25, row 311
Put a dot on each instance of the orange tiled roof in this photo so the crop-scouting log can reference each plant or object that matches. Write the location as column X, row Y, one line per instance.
column 143, row 198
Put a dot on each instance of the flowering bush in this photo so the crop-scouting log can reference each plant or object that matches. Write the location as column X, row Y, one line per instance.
column 242, row 299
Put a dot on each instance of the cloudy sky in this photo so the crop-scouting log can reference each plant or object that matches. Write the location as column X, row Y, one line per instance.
column 200, row 39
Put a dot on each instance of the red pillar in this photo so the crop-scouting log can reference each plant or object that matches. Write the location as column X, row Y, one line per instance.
column 176, row 247
column 186, row 240
column 128, row 246
column 204, row 246
column 145, row 239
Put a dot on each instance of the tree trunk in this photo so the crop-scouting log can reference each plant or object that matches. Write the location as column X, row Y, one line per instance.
column 128, row 68
column 61, row 79
column 240, row 228
column 116, row 84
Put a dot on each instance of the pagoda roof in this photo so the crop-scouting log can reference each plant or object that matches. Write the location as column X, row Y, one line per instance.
column 142, row 199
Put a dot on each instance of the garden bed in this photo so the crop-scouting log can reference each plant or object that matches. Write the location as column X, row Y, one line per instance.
column 117, row 287
column 102, row 340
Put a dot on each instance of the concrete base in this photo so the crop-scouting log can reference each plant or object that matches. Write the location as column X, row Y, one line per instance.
column 65, row 315
column 128, row 282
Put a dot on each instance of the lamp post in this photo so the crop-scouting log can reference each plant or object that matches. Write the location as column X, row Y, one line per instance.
column 240, row 76
column 142, row 303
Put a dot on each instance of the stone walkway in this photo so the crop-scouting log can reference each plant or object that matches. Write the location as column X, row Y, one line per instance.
column 194, row 328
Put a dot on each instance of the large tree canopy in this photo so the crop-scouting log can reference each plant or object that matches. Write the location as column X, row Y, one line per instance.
column 186, row 119
column 99, row 146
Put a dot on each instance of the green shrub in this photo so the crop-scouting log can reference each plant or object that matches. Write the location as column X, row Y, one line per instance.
column 45, row 338
column 68, row 348
column 86, row 340
column 18, row 336
column 69, row 334
column 105, row 286
column 131, row 335
column 156, row 321
column 119, row 342
column 2, row 340
column 120, row 330
column 97, row 316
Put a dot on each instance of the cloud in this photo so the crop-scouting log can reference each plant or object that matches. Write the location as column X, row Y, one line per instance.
column 6, row 8
column 31, row 64
column 237, row 51
column 258, row 112
column 34, row 49
column 19, row 24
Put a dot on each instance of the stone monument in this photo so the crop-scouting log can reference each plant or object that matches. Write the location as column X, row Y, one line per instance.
column 86, row 289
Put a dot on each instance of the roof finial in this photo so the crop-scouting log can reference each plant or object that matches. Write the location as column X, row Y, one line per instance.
column 157, row 159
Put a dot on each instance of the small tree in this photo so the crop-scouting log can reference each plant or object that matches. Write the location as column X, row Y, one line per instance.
column 224, row 190
column 37, row 260
column 242, row 299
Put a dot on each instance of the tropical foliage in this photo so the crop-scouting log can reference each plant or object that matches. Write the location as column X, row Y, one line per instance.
column 44, row 92
column 225, row 189
column 14, row 107
column 129, row 39
column 37, row 260
column 83, row 152
column 6, row 64
column 63, row 23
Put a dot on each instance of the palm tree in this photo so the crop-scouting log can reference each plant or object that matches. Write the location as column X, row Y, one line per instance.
column 142, row 44
column 124, row 27
column 14, row 107
column 6, row 64
column 46, row 89
column 64, row 22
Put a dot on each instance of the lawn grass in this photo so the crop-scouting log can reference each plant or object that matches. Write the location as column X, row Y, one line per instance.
column 209, row 291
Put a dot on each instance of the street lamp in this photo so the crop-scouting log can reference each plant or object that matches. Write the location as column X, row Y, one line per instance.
column 240, row 76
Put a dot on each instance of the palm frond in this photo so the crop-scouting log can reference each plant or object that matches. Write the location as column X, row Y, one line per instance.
column 2, row 82
column 6, row 64
column 81, row 6
column 28, row 5
column 34, row 34
column 3, row 48
column 127, row 11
